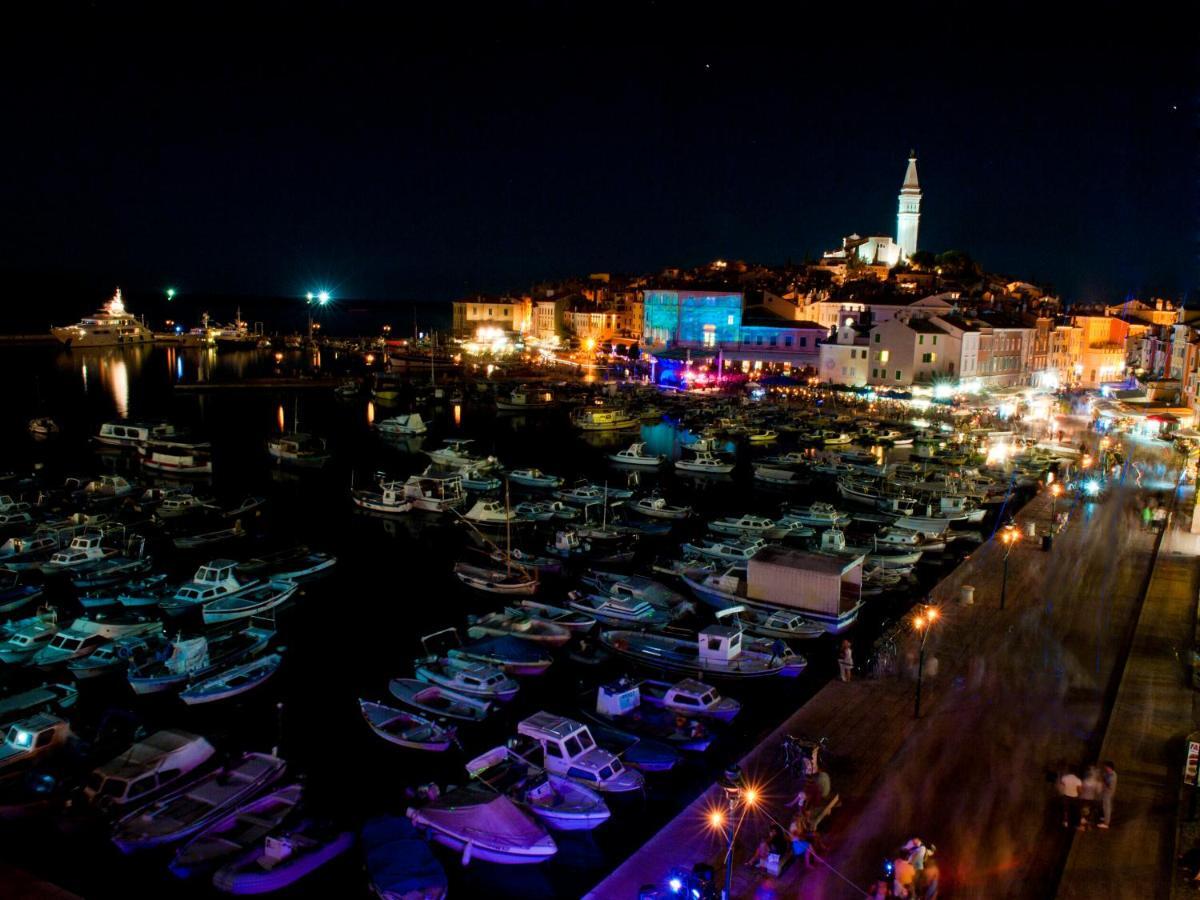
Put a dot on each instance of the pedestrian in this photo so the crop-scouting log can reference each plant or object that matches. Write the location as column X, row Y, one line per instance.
column 916, row 851
column 1147, row 516
column 801, row 848
column 930, row 878
column 1068, row 792
column 846, row 660
column 879, row 891
column 1089, row 794
column 904, row 874
column 1108, row 779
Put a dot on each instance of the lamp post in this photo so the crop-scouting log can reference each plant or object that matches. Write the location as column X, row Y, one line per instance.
column 923, row 622
column 726, row 821
column 1055, row 490
column 1009, row 537
column 321, row 298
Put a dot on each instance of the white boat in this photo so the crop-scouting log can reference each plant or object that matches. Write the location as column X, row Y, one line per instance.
column 732, row 550
column 111, row 326
column 718, row 651
column 768, row 475
column 389, row 499
column 762, row 436
column 193, row 659
column 245, row 604
column 435, row 493
column 439, row 701
column 690, row 698
column 784, row 624
column 658, row 508
column 603, row 418
column 25, row 637
column 181, row 505
column 455, row 456
column 235, row 832
column 489, row 512
column 759, row 527
column 570, row 750
column 231, row 682
column 478, row 480
column 406, row 729
column 298, row 449
column 29, row 739
column 411, row 423
column 87, row 633
column 785, row 460
column 636, row 455
column 147, row 768
column 592, row 494
column 619, row 611
column 176, row 458
column 704, row 463
column 563, row 804
column 534, row 478
column 525, row 400
column 474, row 679
column 571, row 619
column 834, row 541
column 520, row 625
column 214, row 580
column 134, row 434
column 820, row 515
column 198, row 804
column 637, row 587
column 484, row 825
column 510, row 580
column 118, row 654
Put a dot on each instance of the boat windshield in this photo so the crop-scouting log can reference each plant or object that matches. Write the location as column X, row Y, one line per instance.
column 585, row 738
column 113, row 787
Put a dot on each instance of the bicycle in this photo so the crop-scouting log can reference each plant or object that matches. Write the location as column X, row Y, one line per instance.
column 801, row 756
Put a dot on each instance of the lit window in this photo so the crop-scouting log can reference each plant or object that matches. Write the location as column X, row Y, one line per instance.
column 729, row 320
column 884, row 355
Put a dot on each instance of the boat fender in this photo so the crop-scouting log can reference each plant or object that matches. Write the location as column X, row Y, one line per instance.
column 466, row 856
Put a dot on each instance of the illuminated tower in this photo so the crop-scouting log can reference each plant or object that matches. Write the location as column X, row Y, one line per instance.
column 909, row 214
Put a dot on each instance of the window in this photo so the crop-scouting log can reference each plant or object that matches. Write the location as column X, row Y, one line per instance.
column 553, row 750
column 774, row 340
column 884, row 355
column 45, row 738
column 729, row 320
column 897, row 374
column 874, row 373
column 803, row 342
column 877, row 339
column 489, row 312
column 920, row 339
column 758, row 340
column 787, row 341
column 928, row 357
column 935, row 340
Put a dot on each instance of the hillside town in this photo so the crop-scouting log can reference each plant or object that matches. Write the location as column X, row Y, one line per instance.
column 875, row 314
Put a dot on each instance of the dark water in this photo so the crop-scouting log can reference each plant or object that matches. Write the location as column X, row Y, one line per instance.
column 353, row 631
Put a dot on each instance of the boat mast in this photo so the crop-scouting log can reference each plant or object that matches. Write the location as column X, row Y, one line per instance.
column 507, row 531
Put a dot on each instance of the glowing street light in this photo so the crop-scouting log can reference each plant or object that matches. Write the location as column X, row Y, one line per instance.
column 1009, row 536
column 737, row 794
column 170, row 293
column 1055, row 490
column 923, row 622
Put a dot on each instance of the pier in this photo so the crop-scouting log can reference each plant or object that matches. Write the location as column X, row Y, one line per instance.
column 1015, row 692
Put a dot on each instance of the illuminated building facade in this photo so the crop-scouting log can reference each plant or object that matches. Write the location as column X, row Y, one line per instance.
column 691, row 318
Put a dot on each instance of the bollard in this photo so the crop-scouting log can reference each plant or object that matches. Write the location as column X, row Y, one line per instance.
column 966, row 595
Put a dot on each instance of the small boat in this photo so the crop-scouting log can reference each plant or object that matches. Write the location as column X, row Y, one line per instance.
column 484, row 825
column 718, row 651
column 511, row 580
column 291, row 564
column 455, row 456
column 196, row 805
column 618, row 703
column 520, row 625
column 283, row 858
column 439, row 701
column 231, row 682
column 107, row 488
column 562, row 804
column 571, row 619
column 730, row 550
column 792, row 458
column 690, row 697
column 148, row 591
column 131, row 434
column 489, row 513
column 780, row 623
column 43, row 427
column 30, row 739
column 658, row 508
column 587, row 494
column 521, row 559
column 191, row 659
column 400, row 865
column 107, row 572
column 525, row 400
column 297, row 449
column 636, row 455
column 406, row 729
column 530, row 511
column 775, row 476
column 820, row 515
column 534, row 478
column 147, row 769
column 50, row 697
column 434, row 493
column 181, row 505
column 88, row 632
column 704, row 463
column 603, row 418
column 233, row 833
column 389, row 499
column 209, row 538
column 412, row 423
column 619, row 611
column 25, row 637
column 570, row 750
column 466, row 677
column 85, row 548
column 176, row 458
column 759, row 527
column 252, row 504
column 117, row 655
column 252, row 602
column 23, row 551
column 762, row 436
column 507, row 653
column 14, row 594
column 476, row 480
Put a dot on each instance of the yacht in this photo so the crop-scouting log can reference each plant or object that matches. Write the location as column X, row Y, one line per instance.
column 134, row 434
column 636, row 455
column 110, row 326
column 177, row 457
column 706, row 463
column 525, row 400
column 603, row 418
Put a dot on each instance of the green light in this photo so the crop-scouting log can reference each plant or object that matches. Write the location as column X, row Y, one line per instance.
column 170, row 293
column 309, row 296
column 323, row 297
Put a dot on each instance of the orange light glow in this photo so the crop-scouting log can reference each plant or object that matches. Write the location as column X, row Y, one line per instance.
column 716, row 819
column 279, row 418
column 750, row 796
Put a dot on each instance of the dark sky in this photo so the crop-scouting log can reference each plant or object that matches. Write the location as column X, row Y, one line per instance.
column 426, row 170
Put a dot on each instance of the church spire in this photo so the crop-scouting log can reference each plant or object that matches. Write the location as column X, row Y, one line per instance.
column 908, row 216
column 910, row 177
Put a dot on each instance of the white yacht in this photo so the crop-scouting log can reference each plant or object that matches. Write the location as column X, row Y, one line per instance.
column 110, row 326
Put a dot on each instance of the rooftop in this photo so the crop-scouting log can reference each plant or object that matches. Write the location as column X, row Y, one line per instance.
column 824, row 563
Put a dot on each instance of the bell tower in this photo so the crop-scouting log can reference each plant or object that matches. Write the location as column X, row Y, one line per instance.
column 909, row 215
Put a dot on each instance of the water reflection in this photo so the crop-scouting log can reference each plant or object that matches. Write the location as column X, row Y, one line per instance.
column 114, row 375
column 280, row 419
column 370, row 412
column 457, row 415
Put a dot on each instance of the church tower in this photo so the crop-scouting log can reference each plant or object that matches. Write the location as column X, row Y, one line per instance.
column 909, row 215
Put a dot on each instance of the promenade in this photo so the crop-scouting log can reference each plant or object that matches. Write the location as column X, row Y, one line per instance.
column 1016, row 691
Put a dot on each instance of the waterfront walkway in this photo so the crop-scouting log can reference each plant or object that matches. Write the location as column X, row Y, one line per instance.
column 1016, row 691
column 1150, row 721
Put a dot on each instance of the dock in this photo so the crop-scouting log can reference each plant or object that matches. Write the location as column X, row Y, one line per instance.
column 1012, row 693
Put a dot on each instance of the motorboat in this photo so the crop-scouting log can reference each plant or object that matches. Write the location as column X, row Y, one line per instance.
column 571, row 619
column 689, row 697
column 762, row 436
column 87, row 633
column 520, row 625
column 255, row 601
column 107, row 488
column 202, row 539
column 779, row 477
column 637, row 587
column 120, row 653
column 524, row 399
column 636, row 455
column 411, row 423
column 604, row 418
column 658, row 508
column 489, row 512
column 525, row 560
column 299, row 449
column 213, row 581
column 114, row 570
column 290, row 564
column 534, row 478
column 434, row 493
column 148, row 768
column 819, row 515
column 484, row 825
column 542, row 511
column 176, row 458
column 783, row 624
column 569, row 749
column 28, row 740
column 149, row 591
column 506, row 653
column 759, row 527
column 48, row 697
column 231, row 834
column 792, row 458
column 195, row 658
column 111, row 326
column 390, row 498
column 619, row 611
column 25, row 637
column 586, row 494
column 509, row 580
column 730, row 550
column 406, row 729
column 27, row 548
column 236, row 680
column 85, row 548
column 704, row 463
column 619, row 703
column 834, row 541
column 559, row 802
column 479, row 480
column 718, row 651
column 197, row 804
column 400, row 865
column 15, row 594
column 436, row 700
column 283, row 857
column 462, row 676
column 180, row 505
column 454, row 455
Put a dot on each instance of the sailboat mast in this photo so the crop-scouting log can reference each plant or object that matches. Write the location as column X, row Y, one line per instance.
column 507, row 531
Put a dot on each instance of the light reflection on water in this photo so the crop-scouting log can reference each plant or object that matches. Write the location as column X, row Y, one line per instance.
column 370, row 412
column 280, row 419
column 458, row 415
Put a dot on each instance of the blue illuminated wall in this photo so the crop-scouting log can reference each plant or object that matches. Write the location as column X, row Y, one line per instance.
column 695, row 318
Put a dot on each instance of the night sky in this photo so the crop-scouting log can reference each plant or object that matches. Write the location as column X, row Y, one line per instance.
column 428, row 170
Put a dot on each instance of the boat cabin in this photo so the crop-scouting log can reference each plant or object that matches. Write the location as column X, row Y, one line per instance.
column 148, row 766
column 134, row 432
column 720, row 643
column 570, row 750
column 618, row 697
column 691, row 694
column 84, row 547
column 108, row 486
column 215, row 579
column 30, row 738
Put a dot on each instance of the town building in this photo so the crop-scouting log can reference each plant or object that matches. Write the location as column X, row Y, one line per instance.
column 507, row 314
column 843, row 357
column 882, row 252
column 1101, row 349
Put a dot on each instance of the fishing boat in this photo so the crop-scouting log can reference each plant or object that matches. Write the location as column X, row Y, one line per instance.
column 176, row 457
column 198, row 804
column 484, row 825
column 730, row 550
column 234, row 832
column 290, row 564
column 569, row 749
column 636, row 455
column 118, row 654
column 524, row 399
column 562, row 804
column 462, row 676
column 204, row 539
column 389, row 499
column 299, row 449
column 195, row 658
column 618, row 611
column 689, row 697
column 534, row 478
column 406, row 729
column 411, row 423
column 25, row 637
column 400, row 864
column 719, row 651
column 147, row 769
column 819, row 515
column 88, row 632
column 439, row 701
column 571, row 619
column 489, row 513
column 254, row 601
column 704, row 463
column 283, row 857
column 435, row 493
column 658, row 508
column 479, row 480
column 520, row 625
column 214, row 580
column 85, row 548
column 759, row 527
column 603, row 418
column 618, row 703
column 235, row 680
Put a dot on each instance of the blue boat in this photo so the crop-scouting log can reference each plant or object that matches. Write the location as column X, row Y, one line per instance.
column 399, row 861
column 513, row 655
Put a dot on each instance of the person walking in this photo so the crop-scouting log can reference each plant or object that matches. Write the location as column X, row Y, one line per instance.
column 1068, row 793
column 930, row 876
column 1089, row 793
column 1108, row 781
column 846, row 660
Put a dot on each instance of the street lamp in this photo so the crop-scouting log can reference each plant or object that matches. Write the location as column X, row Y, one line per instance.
column 1009, row 537
column 726, row 821
column 1055, row 490
column 923, row 622
column 321, row 298
column 170, row 294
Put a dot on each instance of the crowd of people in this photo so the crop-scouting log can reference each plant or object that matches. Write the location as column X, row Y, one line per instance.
column 1086, row 800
